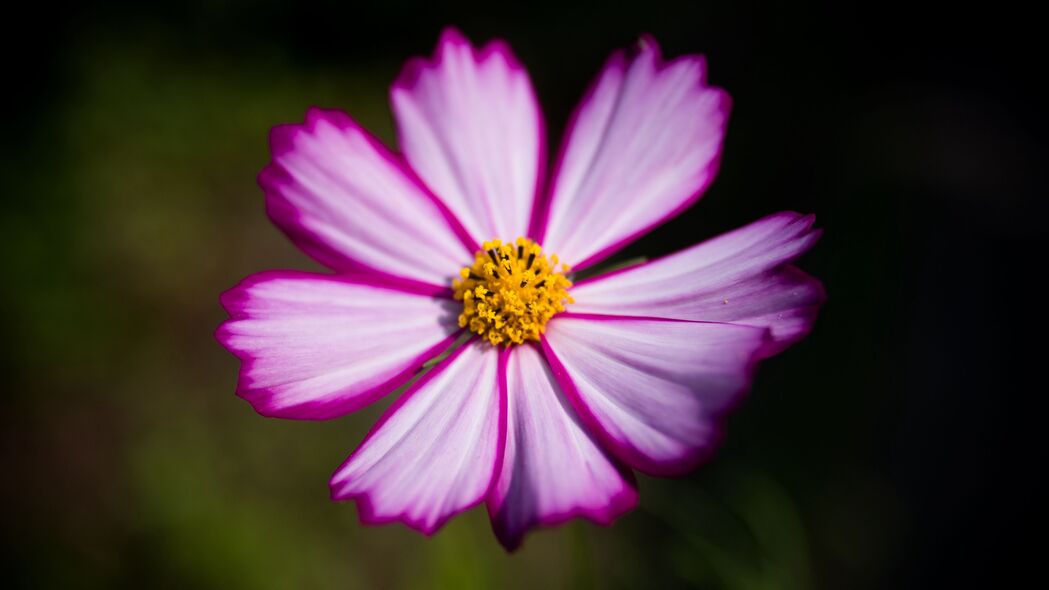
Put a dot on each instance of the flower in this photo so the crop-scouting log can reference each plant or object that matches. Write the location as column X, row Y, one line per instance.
column 562, row 389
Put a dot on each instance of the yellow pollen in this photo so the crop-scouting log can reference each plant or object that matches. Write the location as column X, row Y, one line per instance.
column 511, row 291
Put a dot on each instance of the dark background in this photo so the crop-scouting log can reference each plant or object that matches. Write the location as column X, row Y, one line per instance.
column 901, row 445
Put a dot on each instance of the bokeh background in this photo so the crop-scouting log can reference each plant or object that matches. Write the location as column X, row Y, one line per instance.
column 899, row 446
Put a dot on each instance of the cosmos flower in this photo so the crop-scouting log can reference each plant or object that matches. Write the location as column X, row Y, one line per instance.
column 562, row 389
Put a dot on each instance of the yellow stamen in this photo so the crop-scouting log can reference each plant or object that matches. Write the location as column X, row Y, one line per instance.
column 511, row 291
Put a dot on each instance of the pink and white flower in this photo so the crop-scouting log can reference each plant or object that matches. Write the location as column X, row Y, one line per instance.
column 568, row 387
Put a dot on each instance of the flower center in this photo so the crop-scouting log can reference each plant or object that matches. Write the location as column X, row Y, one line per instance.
column 511, row 291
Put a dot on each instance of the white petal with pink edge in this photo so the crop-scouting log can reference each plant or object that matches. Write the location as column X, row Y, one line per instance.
column 469, row 124
column 741, row 277
column 654, row 391
column 350, row 203
column 553, row 470
column 436, row 451
column 318, row 346
column 642, row 146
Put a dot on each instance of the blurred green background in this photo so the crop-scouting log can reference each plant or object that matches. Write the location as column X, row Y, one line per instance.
column 872, row 455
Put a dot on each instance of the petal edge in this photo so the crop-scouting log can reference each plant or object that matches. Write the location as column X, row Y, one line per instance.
column 410, row 467
column 743, row 276
column 642, row 146
column 469, row 123
column 653, row 390
column 554, row 471
column 351, row 204
column 298, row 336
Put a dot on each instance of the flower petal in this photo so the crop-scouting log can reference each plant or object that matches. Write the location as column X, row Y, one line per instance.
column 318, row 346
column 348, row 202
column 642, row 146
column 470, row 125
column 653, row 390
column 740, row 277
column 552, row 470
column 435, row 452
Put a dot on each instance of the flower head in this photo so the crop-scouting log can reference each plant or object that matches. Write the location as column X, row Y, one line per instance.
column 561, row 389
